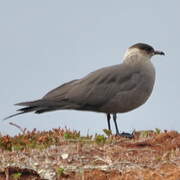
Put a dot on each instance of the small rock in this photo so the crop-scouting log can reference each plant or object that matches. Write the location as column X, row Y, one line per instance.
column 65, row 156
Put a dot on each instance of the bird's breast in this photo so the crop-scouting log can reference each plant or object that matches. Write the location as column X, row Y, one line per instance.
column 127, row 100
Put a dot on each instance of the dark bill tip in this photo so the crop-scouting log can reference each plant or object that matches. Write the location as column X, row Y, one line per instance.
column 159, row 53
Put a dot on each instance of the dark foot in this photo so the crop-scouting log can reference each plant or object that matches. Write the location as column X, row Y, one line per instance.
column 126, row 135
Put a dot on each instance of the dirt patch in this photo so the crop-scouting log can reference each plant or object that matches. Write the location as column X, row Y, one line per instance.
column 15, row 173
column 64, row 154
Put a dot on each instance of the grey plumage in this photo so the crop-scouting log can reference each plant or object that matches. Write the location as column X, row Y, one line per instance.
column 115, row 89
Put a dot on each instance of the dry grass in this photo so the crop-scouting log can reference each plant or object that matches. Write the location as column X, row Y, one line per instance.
column 64, row 154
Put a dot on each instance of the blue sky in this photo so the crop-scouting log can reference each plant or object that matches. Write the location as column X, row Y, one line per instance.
column 46, row 43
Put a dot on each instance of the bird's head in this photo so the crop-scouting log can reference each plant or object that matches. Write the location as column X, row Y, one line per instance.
column 141, row 51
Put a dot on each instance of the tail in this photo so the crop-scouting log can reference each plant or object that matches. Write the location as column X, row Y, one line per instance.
column 41, row 106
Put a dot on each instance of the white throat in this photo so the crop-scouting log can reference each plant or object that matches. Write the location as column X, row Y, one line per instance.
column 135, row 55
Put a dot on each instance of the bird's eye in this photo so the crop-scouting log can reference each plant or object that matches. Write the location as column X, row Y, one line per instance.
column 148, row 49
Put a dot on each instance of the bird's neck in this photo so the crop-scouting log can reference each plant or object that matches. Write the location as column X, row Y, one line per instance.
column 134, row 56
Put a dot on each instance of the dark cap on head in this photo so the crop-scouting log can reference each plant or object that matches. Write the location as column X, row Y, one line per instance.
column 143, row 46
column 147, row 48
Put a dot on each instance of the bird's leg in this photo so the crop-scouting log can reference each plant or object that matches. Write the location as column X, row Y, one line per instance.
column 123, row 134
column 116, row 126
column 108, row 121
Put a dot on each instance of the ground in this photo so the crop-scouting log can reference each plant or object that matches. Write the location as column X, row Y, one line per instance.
column 65, row 154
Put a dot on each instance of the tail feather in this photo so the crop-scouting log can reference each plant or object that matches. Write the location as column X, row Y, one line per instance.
column 22, row 111
column 8, row 117
column 44, row 110
column 28, row 109
column 30, row 103
column 43, row 105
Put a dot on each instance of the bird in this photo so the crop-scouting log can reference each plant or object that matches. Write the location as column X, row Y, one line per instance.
column 111, row 90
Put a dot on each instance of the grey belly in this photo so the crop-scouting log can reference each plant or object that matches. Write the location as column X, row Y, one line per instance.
column 128, row 100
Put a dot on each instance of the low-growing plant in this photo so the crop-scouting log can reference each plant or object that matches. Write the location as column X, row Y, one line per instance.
column 157, row 130
column 144, row 134
column 100, row 139
column 60, row 171
column 107, row 132
column 70, row 135
column 16, row 176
